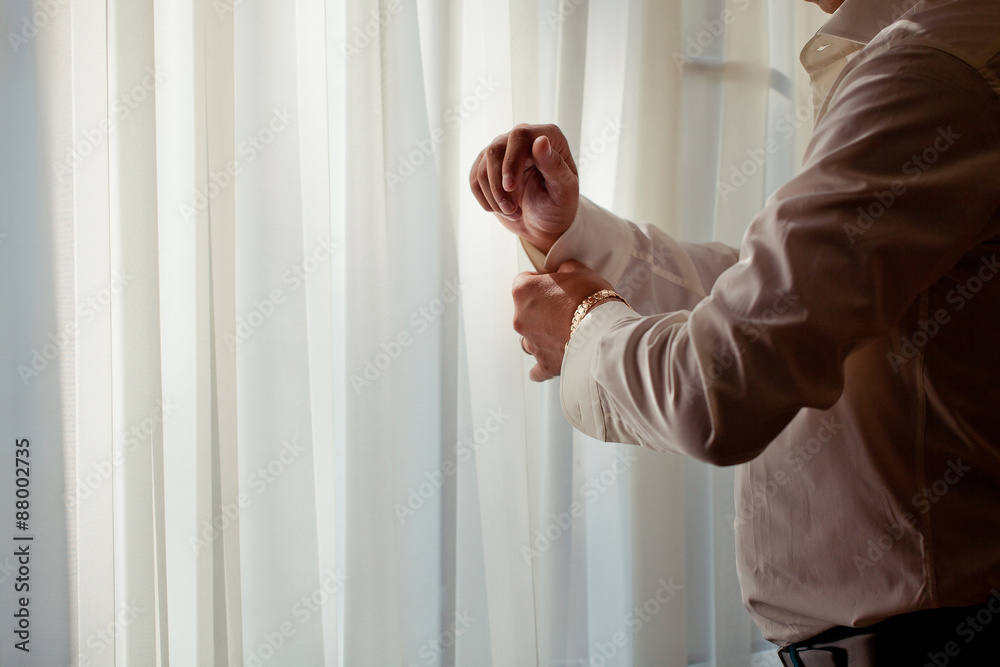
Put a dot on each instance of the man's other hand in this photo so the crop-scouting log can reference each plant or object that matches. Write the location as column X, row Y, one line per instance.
column 543, row 310
column 527, row 177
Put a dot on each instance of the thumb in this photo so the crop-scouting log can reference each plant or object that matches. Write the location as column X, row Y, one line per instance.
column 569, row 266
column 560, row 180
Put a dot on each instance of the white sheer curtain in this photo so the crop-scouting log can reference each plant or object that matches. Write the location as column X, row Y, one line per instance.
column 260, row 329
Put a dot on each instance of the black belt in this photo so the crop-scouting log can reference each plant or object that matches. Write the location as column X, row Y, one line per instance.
column 945, row 637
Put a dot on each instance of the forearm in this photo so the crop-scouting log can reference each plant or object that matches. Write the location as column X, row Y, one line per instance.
column 651, row 269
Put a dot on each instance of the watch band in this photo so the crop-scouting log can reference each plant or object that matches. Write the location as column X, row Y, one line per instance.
column 590, row 302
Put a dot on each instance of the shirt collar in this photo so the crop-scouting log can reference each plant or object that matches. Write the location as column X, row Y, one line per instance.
column 859, row 21
column 851, row 28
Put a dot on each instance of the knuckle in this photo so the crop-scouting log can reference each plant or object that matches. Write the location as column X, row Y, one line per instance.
column 520, row 286
column 496, row 151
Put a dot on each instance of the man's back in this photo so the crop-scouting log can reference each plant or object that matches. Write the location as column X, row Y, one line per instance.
column 890, row 497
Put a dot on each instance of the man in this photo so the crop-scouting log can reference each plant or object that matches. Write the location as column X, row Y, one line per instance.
column 847, row 354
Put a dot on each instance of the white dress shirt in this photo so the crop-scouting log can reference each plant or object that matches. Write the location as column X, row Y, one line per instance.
column 848, row 356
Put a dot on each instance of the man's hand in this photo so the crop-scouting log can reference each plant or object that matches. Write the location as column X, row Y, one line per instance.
column 527, row 177
column 543, row 310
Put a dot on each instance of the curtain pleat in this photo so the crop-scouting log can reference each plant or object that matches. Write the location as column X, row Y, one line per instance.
column 487, row 263
column 279, row 254
column 315, row 167
column 372, row 549
column 214, row 202
column 93, row 593
column 140, row 571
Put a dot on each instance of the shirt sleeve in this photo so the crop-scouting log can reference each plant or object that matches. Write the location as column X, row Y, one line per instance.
column 653, row 271
column 899, row 181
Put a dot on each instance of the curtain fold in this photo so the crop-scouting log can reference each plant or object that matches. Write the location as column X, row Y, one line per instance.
column 140, row 568
column 292, row 424
column 91, row 530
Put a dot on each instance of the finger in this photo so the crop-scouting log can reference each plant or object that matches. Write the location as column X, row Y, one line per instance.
column 560, row 180
column 517, row 196
column 484, row 186
column 539, row 374
column 571, row 265
column 528, row 347
column 478, row 192
column 474, row 171
column 518, row 152
column 494, row 164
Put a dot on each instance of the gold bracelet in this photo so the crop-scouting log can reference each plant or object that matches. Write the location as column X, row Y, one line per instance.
column 588, row 303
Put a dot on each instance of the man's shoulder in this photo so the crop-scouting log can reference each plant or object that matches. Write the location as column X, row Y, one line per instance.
column 965, row 29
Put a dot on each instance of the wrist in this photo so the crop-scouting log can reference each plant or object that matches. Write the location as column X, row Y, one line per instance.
column 589, row 304
column 545, row 242
column 544, row 239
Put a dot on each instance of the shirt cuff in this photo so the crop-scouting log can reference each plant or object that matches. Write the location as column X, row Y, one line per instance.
column 579, row 392
column 597, row 238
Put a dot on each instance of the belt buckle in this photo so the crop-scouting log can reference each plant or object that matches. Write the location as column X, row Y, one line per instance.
column 814, row 656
